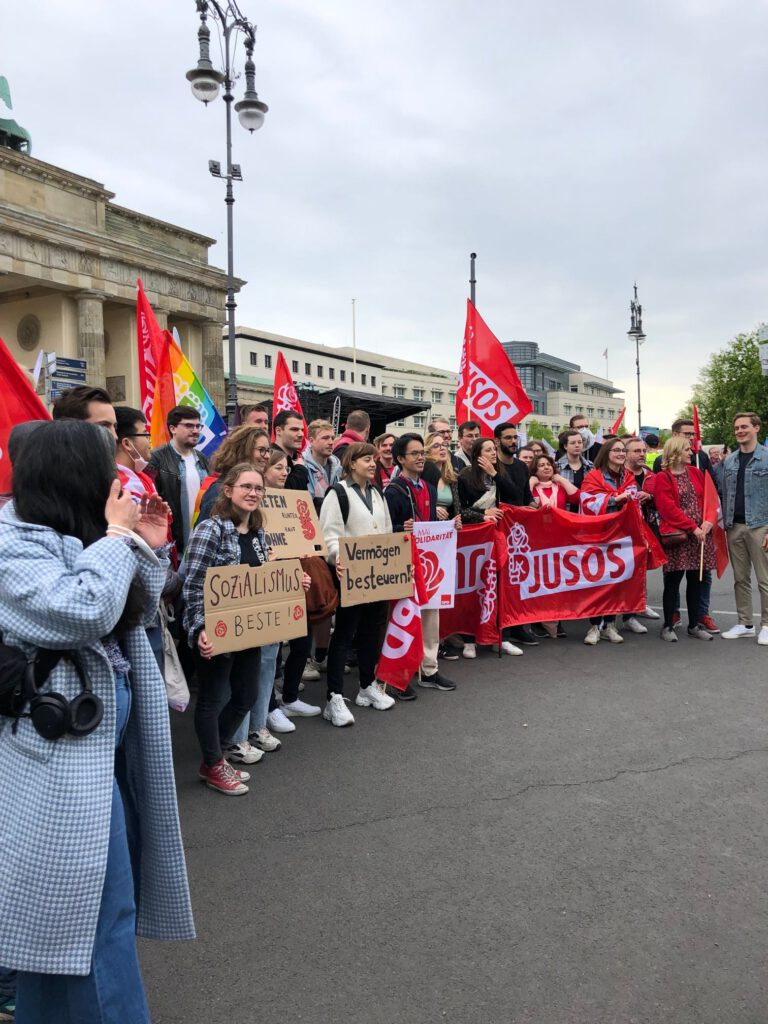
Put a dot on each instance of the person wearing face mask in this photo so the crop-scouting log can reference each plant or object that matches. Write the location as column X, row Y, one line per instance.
column 591, row 446
column 133, row 451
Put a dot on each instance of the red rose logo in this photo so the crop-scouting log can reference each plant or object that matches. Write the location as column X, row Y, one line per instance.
column 433, row 574
column 298, row 613
column 305, row 519
column 220, row 629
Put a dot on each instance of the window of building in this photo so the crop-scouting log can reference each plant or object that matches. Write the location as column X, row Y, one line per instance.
column 363, row 378
column 268, row 362
column 452, row 397
column 526, row 377
column 254, row 359
column 580, row 408
column 574, row 388
column 437, row 396
column 590, row 410
column 295, row 366
column 400, row 423
column 319, row 370
column 352, row 377
column 418, row 393
column 452, row 421
column 419, row 421
column 399, row 391
column 373, row 381
column 331, row 373
column 342, row 374
column 568, row 409
column 308, row 369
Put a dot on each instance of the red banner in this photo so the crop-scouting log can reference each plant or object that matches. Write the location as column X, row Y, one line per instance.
column 285, row 397
column 542, row 565
column 403, row 649
column 19, row 403
column 489, row 389
column 713, row 513
column 151, row 346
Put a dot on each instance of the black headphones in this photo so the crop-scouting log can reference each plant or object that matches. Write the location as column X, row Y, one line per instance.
column 52, row 714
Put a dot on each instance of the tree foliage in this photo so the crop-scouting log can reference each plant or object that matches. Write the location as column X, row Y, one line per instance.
column 731, row 382
column 538, row 431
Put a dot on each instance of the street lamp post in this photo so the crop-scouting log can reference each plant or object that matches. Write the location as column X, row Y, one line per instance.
column 635, row 333
column 205, row 81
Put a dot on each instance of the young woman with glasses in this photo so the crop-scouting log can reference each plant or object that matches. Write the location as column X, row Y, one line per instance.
column 244, row 444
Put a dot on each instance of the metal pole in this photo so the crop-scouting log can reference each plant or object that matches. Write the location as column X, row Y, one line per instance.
column 472, row 280
column 354, row 342
column 230, row 201
column 639, row 412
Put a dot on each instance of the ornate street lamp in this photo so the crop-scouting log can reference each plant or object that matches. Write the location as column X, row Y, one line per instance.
column 205, row 81
column 635, row 333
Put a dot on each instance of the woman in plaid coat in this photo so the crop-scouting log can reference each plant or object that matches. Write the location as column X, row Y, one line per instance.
column 74, row 576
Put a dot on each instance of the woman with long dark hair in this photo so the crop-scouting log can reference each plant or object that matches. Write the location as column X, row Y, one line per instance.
column 82, row 567
column 484, row 485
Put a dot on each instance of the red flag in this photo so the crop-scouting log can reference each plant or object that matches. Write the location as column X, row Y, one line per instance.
column 489, row 388
column 696, row 446
column 285, row 394
column 18, row 404
column 713, row 513
column 403, row 648
column 151, row 347
column 615, row 428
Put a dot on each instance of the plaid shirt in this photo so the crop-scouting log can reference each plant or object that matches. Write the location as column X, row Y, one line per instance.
column 212, row 542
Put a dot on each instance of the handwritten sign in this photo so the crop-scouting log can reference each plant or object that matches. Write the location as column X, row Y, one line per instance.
column 291, row 524
column 376, row 568
column 250, row 606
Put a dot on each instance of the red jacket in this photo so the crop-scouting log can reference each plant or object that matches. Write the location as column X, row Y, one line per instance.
column 667, row 499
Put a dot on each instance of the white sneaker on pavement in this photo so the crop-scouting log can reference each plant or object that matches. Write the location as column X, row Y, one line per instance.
column 634, row 625
column 277, row 722
column 507, row 648
column 336, row 711
column 593, row 635
column 373, row 697
column 264, row 740
column 300, row 709
column 611, row 633
column 738, row 631
column 649, row 613
column 243, row 753
column 762, row 638
column 470, row 651
column 310, row 673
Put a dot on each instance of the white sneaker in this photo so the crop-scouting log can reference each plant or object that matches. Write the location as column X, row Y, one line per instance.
column 372, row 697
column 470, row 651
column 634, row 625
column 336, row 711
column 593, row 635
column 611, row 633
column 277, row 722
column 763, row 637
column 298, row 709
column 264, row 740
column 243, row 753
column 321, row 666
column 649, row 613
column 310, row 673
column 507, row 648
column 738, row 631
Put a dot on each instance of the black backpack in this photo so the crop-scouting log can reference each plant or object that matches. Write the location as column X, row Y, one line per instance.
column 341, row 494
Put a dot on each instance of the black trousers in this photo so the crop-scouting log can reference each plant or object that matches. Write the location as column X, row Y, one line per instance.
column 361, row 626
column 231, row 680
column 670, row 600
column 298, row 653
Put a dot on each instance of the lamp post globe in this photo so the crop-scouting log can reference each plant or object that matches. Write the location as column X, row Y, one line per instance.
column 205, row 83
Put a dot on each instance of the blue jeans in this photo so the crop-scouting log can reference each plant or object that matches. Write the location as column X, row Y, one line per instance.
column 113, row 992
column 258, row 716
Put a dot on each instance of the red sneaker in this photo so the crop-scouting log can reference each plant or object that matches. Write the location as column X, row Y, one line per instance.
column 223, row 778
column 204, row 769
column 708, row 623
column 675, row 620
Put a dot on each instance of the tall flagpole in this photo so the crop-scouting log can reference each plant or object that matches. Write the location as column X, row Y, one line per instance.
column 472, row 280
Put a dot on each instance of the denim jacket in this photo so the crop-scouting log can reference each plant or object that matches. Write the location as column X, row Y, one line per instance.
column 755, row 488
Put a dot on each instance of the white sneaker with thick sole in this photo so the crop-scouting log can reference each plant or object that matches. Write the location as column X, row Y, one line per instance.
column 264, row 740
column 243, row 753
column 372, row 697
column 277, row 722
column 507, row 648
column 649, row 613
column 310, row 673
column 762, row 638
column 470, row 651
column 611, row 633
column 321, row 666
column 299, row 709
column 336, row 711
column 593, row 635
column 738, row 631
column 634, row 625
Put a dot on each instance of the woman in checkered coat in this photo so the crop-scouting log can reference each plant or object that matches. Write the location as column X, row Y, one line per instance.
column 74, row 575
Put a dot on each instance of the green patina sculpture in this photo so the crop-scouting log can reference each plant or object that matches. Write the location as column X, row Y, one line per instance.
column 12, row 135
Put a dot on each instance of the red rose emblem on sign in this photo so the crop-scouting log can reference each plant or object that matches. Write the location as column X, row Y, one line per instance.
column 220, row 629
column 433, row 574
column 305, row 520
column 298, row 613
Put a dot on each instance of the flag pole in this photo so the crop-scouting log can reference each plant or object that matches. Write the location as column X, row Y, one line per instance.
column 701, row 561
column 472, row 296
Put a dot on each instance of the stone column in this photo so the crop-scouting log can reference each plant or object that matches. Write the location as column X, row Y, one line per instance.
column 90, row 335
column 213, row 363
column 161, row 315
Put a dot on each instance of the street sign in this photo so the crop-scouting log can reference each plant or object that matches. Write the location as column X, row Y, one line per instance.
column 56, row 391
column 71, row 375
column 71, row 364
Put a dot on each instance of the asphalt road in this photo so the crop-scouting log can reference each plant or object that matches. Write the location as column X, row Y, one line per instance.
column 577, row 836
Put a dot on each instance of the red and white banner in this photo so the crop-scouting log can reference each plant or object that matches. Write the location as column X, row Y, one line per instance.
column 436, row 546
column 489, row 389
column 151, row 347
column 285, row 397
column 479, row 550
column 403, row 649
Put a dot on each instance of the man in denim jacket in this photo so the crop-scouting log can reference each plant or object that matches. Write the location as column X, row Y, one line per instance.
column 745, row 512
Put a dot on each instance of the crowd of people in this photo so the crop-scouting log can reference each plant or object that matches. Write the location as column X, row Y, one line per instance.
column 104, row 550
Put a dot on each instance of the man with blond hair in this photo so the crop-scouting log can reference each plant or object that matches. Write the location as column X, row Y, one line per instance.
column 323, row 467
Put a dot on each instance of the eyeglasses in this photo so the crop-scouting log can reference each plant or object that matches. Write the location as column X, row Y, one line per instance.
column 191, row 426
column 144, row 434
column 438, row 445
column 261, row 451
column 251, row 488
column 618, row 451
column 417, row 455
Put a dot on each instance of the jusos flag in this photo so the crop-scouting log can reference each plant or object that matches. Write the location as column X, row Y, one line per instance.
column 285, row 394
column 489, row 389
column 543, row 565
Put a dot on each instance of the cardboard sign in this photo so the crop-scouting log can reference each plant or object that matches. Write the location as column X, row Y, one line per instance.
column 291, row 524
column 376, row 568
column 250, row 606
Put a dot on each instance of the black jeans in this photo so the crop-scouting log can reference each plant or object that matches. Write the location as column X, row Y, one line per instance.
column 361, row 626
column 233, row 678
column 671, row 591
column 298, row 653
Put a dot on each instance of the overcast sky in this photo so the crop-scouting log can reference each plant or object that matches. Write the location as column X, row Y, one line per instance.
column 575, row 147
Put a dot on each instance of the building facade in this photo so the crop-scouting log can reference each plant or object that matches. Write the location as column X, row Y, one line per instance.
column 69, row 262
